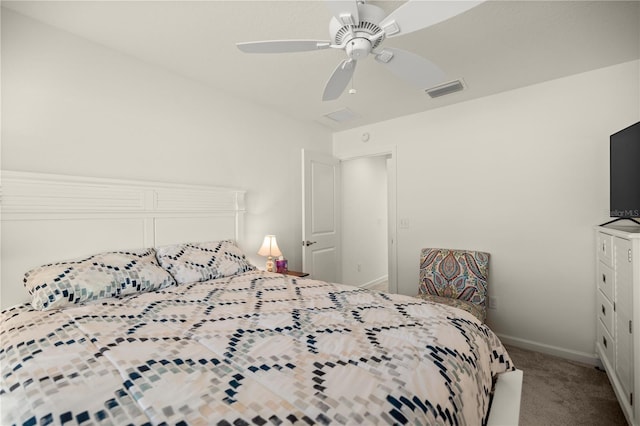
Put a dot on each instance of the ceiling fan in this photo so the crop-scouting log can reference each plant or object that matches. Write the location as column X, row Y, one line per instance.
column 360, row 28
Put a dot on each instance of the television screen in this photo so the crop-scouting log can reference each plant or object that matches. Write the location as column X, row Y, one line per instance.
column 625, row 172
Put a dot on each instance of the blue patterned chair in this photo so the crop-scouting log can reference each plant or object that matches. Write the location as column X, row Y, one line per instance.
column 455, row 277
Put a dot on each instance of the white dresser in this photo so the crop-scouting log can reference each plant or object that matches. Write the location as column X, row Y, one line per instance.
column 618, row 307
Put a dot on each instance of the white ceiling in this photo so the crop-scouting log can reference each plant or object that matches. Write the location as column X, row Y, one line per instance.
column 497, row 46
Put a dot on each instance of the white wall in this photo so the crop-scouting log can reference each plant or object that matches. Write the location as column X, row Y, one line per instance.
column 524, row 176
column 364, row 220
column 70, row 106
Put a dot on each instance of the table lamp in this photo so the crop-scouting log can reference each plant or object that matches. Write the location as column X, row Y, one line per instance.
column 270, row 249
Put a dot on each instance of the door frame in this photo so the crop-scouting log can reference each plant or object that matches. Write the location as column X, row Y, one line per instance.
column 392, row 203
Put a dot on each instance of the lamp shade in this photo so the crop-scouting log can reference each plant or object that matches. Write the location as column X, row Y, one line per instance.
column 270, row 247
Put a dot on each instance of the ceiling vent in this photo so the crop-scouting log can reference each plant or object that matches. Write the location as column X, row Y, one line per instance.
column 342, row 115
column 445, row 89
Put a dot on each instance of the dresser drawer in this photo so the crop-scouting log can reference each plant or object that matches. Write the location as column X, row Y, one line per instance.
column 605, row 312
column 605, row 248
column 606, row 342
column 605, row 280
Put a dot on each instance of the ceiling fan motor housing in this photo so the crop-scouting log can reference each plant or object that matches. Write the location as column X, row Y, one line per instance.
column 370, row 17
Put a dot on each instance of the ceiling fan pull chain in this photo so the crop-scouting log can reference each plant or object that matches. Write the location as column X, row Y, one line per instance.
column 353, row 90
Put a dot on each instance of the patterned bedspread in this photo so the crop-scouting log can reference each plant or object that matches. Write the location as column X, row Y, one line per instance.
column 255, row 348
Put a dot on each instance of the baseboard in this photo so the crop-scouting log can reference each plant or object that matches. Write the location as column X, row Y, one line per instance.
column 583, row 357
column 375, row 282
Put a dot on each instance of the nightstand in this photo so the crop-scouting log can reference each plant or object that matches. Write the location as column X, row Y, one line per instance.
column 296, row 274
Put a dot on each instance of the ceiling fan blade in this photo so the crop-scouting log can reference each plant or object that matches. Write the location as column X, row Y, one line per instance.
column 410, row 67
column 339, row 80
column 283, row 46
column 345, row 11
column 418, row 14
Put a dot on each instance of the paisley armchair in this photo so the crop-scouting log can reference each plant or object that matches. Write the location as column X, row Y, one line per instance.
column 455, row 277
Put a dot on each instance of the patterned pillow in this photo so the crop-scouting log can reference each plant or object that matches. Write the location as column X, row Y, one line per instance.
column 101, row 276
column 194, row 262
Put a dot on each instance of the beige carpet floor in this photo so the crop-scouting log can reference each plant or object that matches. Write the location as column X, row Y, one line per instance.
column 556, row 391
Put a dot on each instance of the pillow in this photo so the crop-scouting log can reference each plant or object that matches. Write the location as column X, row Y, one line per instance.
column 194, row 262
column 101, row 276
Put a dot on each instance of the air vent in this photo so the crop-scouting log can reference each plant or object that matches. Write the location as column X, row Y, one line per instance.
column 342, row 115
column 445, row 89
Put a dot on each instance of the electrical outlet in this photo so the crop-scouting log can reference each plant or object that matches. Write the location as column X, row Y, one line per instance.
column 493, row 302
column 404, row 223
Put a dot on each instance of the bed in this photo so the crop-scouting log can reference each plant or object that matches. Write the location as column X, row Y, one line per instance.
column 208, row 338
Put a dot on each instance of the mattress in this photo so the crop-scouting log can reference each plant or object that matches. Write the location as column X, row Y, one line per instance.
column 252, row 348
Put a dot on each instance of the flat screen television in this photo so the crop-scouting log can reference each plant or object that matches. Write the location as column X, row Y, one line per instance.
column 624, row 169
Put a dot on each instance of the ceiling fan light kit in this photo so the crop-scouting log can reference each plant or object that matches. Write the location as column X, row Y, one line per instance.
column 359, row 29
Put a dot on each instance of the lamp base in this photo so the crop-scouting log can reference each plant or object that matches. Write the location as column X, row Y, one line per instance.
column 269, row 265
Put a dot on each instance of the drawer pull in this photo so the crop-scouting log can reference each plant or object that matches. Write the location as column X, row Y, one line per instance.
column 604, row 278
column 604, row 341
column 604, row 311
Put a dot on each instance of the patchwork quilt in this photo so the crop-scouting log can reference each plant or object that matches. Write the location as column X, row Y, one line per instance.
column 253, row 348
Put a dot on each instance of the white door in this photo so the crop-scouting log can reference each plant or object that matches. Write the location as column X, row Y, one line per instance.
column 321, row 216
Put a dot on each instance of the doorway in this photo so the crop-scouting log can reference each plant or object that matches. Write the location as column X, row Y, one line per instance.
column 389, row 156
column 330, row 184
column 364, row 222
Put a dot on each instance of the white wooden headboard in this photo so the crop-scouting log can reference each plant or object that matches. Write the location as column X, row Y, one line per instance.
column 49, row 218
